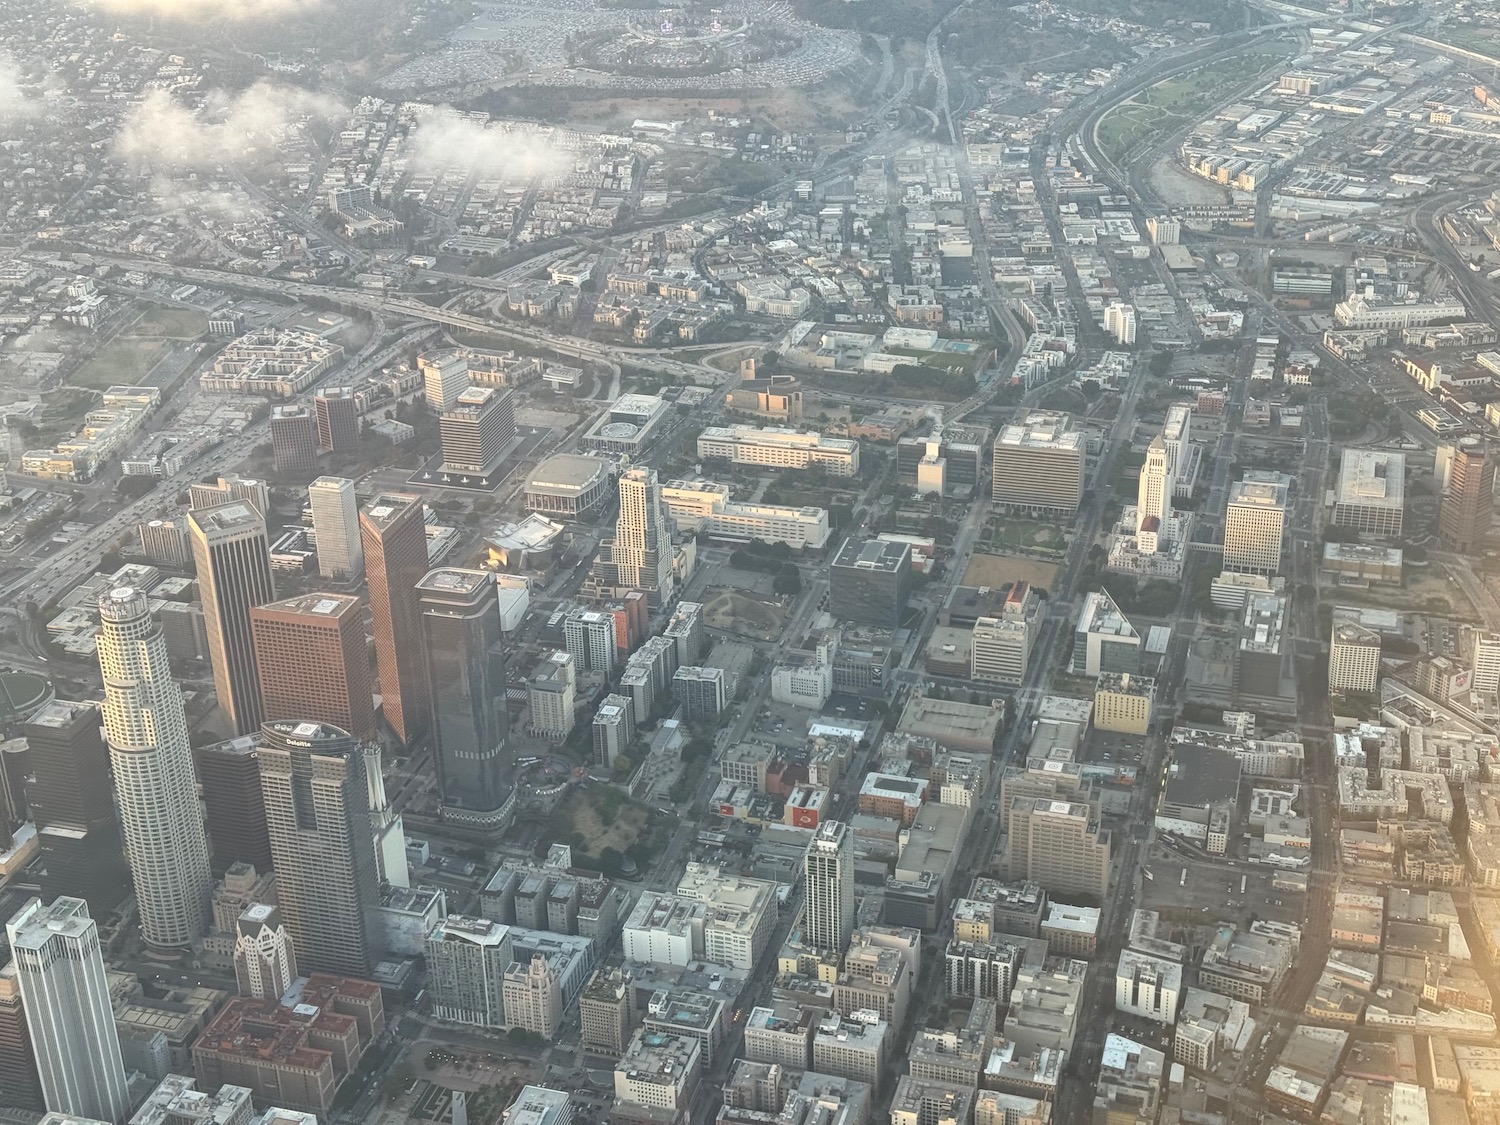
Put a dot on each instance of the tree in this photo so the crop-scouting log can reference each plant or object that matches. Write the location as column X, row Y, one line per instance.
column 788, row 581
column 134, row 487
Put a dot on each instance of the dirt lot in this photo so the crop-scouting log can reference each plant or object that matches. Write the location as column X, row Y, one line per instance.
column 749, row 615
column 1420, row 590
column 997, row 570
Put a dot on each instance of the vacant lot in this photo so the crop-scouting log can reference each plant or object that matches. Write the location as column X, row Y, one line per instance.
column 170, row 324
column 749, row 615
column 122, row 362
column 997, row 570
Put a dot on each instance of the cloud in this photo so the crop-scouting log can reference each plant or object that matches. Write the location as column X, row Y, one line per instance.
column 203, row 11
column 161, row 133
column 446, row 138
column 16, row 104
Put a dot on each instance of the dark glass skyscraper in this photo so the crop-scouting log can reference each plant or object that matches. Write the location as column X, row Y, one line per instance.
column 317, row 802
column 72, row 802
column 466, row 683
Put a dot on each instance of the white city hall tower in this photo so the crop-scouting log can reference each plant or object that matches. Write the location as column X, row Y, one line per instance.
column 146, row 728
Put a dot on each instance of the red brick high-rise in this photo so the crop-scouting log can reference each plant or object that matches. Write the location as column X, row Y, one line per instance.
column 310, row 653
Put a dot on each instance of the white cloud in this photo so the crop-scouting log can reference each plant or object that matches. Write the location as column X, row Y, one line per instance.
column 445, row 138
column 204, row 10
column 15, row 103
column 162, row 134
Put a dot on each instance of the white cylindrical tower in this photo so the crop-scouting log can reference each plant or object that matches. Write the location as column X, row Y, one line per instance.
column 160, row 816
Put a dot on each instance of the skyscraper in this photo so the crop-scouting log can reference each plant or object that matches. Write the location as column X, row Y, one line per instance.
column 640, row 556
column 1154, row 494
column 20, row 1084
column 1468, row 506
column 466, row 683
column 1039, row 464
column 337, row 416
column 294, row 440
column 476, row 429
column 318, row 812
column 265, row 960
column 335, row 518
column 229, row 488
column 235, row 810
column 828, row 916
column 870, row 582
column 233, row 563
column 73, row 805
column 311, row 658
column 394, row 537
column 146, row 728
column 66, row 996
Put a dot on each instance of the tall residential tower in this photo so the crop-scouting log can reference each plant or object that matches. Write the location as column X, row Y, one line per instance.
column 828, row 916
column 640, row 557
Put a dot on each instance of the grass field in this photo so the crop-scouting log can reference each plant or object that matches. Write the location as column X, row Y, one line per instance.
column 1027, row 535
column 997, row 570
column 1128, row 474
column 604, row 817
column 1145, row 119
column 170, row 324
column 123, row 361
column 747, row 614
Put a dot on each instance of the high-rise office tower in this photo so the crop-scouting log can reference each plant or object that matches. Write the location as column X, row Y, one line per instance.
column 335, row 519
column 20, row 1084
column 466, row 683
column 445, row 376
column 229, row 488
column 229, row 776
column 66, row 996
column 162, row 542
column 476, row 428
column 311, row 658
column 1039, row 464
column 233, row 563
column 265, row 959
column 640, row 557
column 1254, row 523
column 1468, row 505
column 394, row 537
column 828, row 916
column 160, row 818
column 294, row 440
column 337, row 416
column 72, row 804
column 318, row 811
column 870, row 582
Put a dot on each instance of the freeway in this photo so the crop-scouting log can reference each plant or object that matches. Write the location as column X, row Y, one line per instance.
column 410, row 308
